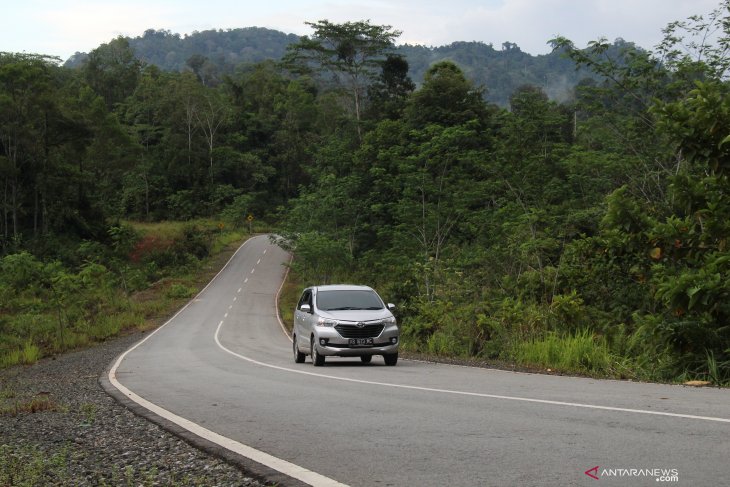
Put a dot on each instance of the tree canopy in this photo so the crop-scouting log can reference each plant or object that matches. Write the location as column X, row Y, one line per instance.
column 598, row 222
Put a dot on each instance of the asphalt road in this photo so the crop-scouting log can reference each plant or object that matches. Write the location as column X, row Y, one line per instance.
column 223, row 368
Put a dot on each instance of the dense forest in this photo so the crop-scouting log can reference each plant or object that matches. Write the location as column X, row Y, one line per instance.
column 213, row 54
column 589, row 235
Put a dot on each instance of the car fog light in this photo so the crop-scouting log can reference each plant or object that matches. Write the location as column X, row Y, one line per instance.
column 394, row 340
column 323, row 341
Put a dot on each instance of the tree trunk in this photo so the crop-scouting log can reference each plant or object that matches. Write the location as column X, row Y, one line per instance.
column 5, row 213
column 44, row 215
column 14, row 201
column 357, row 113
column 146, row 196
column 36, row 209
column 190, row 115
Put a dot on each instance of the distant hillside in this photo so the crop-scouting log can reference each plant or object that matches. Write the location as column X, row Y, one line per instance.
column 225, row 48
column 500, row 71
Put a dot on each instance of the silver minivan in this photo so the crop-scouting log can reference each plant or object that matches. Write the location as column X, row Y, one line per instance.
column 344, row 321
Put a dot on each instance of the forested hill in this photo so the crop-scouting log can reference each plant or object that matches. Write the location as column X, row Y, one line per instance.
column 225, row 49
column 501, row 71
column 588, row 235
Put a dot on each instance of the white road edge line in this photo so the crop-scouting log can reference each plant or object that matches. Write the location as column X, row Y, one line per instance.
column 465, row 393
column 287, row 468
column 276, row 300
column 447, row 391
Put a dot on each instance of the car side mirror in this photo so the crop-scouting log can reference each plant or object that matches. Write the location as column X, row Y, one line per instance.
column 391, row 306
column 306, row 308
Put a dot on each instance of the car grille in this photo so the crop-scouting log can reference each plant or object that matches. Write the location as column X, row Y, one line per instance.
column 354, row 331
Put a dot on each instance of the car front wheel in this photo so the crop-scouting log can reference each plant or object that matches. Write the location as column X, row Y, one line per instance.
column 298, row 356
column 391, row 358
column 317, row 359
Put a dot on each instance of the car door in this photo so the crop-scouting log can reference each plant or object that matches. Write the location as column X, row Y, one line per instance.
column 302, row 320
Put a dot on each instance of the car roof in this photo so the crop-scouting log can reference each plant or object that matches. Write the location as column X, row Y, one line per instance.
column 342, row 287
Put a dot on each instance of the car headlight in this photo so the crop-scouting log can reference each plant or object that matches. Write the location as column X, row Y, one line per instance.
column 326, row 322
column 389, row 321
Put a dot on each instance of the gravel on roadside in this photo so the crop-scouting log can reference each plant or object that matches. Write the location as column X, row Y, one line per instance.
column 58, row 427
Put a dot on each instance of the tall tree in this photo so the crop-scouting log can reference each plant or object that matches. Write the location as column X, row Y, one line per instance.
column 353, row 52
column 113, row 71
column 446, row 98
column 390, row 91
column 213, row 113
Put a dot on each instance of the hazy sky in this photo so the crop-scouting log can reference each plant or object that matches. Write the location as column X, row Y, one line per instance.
column 63, row 27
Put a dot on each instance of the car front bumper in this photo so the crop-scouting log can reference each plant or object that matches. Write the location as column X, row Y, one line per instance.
column 331, row 343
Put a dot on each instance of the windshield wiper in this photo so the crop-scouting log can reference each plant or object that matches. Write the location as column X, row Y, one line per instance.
column 344, row 308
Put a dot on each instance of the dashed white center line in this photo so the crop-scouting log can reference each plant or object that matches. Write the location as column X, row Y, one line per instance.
column 231, row 306
column 225, row 315
column 265, row 250
column 307, row 476
column 245, row 280
column 258, row 262
column 239, row 289
column 253, row 270
column 234, row 298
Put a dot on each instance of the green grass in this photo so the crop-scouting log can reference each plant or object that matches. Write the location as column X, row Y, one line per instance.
column 88, row 411
column 288, row 298
column 179, row 291
column 169, row 230
column 24, row 466
column 582, row 352
column 11, row 405
column 30, row 466
column 32, row 327
column 27, row 355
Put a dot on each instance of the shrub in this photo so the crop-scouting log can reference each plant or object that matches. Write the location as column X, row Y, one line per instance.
column 580, row 352
column 179, row 291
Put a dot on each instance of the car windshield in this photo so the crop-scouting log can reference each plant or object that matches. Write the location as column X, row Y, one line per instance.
column 348, row 300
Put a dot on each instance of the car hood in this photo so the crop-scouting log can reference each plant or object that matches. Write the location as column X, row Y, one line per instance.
column 357, row 315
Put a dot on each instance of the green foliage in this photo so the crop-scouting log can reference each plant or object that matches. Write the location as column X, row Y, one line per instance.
column 320, row 259
column 352, row 52
column 582, row 234
column 25, row 466
column 27, row 355
column 446, row 98
column 179, row 291
column 691, row 48
column 582, row 352
column 51, row 307
column 211, row 55
column 173, row 52
column 444, row 328
column 28, row 465
column 391, row 89
column 236, row 213
column 587, row 238
column 112, row 71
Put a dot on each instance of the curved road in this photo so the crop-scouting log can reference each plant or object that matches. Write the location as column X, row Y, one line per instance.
column 222, row 369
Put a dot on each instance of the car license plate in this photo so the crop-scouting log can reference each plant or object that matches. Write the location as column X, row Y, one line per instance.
column 361, row 342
